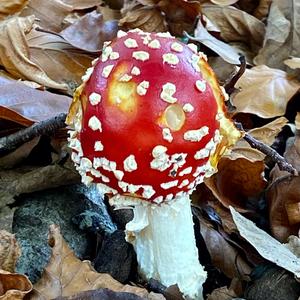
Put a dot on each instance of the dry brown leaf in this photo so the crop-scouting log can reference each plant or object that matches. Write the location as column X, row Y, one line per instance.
column 237, row 180
column 24, row 105
column 283, row 196
column 266, row 245
column 142, row 14
column 282, row 34
column 15, row 55
column 13, row 286
column 223, row 255
column 236, row 25
column 227, row 52
column 51, row 14
column 11, row 7
column 66, row 275
column 89, row 32
column 262, row 9
column 264, row 92
column 10, row 251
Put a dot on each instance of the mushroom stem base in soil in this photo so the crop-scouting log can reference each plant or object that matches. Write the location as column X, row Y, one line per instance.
column 164, row 241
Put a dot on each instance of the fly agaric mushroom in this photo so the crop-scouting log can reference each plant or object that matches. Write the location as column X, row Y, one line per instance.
column 149, row 125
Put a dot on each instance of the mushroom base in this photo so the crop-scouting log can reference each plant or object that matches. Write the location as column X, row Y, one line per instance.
column 163, row 238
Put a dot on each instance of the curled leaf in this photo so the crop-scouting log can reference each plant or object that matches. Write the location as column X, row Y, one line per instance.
column 13, row 286
column 11, row 7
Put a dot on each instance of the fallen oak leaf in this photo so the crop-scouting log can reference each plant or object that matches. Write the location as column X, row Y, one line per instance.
column 13, row 286
column 15, row 55
column 65, row 275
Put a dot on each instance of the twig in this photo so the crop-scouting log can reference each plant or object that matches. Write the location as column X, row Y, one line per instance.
column 270, row 152
column 14, row 140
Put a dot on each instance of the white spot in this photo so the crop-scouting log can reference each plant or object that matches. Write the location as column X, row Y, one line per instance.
column 137, row 30
column 168, row 90
column 196, row 135
column 103, row 188
column 194, row 61
column 217, row 137
column 130, row 164
column 104, row 163
column 154, row 44
column 106, row 53
column 94, row 98
column 203, row 153
column 114, row 55
column 201, row 85
column 188, row 107
column 125, row 78
column 193, row 47
column 226, row 96
column 141, row 55
column 148, row 191
column 87, row 74
column 106, row 43
column 95, row 173
column 158, row 199
column 94, row 61
column 119, row 174
column 75, row 145
column 170, row 58
column 184, row 183
column 191, row 186
column 186, row 171
column 106, row 70
column 177, row 47
column 161, row 162
column 141, row 89
column 167, row 135
column 121, row 33
column 72, row 133
column 95, row 124
column 75, row 157
column 123, row 186
column 164, row 35
column 146, row 39
column 135, row 71
column 168, row 185
column 159, row 150
column 98, row 146
column 132, row 188
column 87, row 180
column 85, row 164
column 130, row 43
column 200, row 170
column 169, row 197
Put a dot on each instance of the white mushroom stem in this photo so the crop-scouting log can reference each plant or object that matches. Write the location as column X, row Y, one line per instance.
column 164, row 241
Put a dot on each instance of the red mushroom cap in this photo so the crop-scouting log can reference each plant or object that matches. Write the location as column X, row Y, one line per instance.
column 149, row 117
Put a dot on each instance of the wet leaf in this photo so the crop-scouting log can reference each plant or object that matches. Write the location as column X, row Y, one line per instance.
column 236, row 25
column 90, row 31
column 227, row 52
column 282, row 35
column 264, row 92
column 11, row 7
column 24, row 105
column 65, row 275
column 13, row 286
column 266, row 245
column 10, row 251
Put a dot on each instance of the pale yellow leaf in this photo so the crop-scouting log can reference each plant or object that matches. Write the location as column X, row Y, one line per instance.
column 264, row 92
column 293, row 63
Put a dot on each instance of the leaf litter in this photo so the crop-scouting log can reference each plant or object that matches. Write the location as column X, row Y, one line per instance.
column 53, row 44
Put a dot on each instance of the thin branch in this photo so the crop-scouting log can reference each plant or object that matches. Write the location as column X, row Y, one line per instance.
column 11, row 142
column 270, row 152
